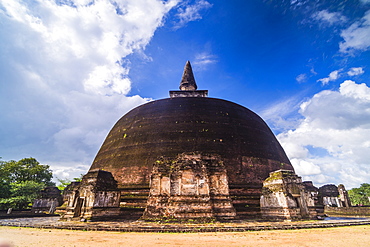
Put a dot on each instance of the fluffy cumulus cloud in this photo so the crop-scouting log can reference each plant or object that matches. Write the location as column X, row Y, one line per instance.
column 334, row 75
column 331, row 142
column 356, row 36
column 355, row 71
column 65, row 76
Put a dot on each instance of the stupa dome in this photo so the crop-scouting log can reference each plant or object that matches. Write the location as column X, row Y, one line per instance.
column 187, row 123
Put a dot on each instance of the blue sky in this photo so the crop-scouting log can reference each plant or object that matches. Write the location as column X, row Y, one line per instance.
column 70, row 69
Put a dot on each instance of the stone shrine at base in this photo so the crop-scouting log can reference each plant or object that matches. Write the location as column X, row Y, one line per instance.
column 285, row 196
column 95, row 197
column 190, row 186
column 333, row 196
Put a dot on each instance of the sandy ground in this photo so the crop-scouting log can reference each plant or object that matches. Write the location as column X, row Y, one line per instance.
column 339, row 237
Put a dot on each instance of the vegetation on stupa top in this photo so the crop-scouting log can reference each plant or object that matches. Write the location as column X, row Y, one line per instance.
column 21, row 181
column 360, row 196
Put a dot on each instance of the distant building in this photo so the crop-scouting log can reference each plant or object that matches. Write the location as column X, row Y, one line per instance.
column 50, row 198
column 333, row 196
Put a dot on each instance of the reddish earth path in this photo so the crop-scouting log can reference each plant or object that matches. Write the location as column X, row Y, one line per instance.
column 357, row 236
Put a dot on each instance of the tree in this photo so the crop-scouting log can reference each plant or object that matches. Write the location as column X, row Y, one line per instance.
column 360, row 196
column 4, row 183
column 28, row 169
column 20, row 182
column 22, row 194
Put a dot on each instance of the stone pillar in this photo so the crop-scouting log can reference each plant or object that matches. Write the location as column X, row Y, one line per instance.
column 343, row 196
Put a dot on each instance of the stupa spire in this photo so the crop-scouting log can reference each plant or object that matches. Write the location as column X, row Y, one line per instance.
column 188, row 86
column 187, row 81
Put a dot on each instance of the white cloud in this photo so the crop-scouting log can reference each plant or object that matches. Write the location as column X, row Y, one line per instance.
column 64, row 76
column 330, row 18
column 191, row 12
column 337, row 122
column 107, row 80
column 298, row 3
column 202, row 60
column 360, row 91
column 365, row 1
column 301, row 78
column 304, row 168
column 281, row 115
column 355, row 71
column 312, row 70
column 334, row 75
column 356, row 37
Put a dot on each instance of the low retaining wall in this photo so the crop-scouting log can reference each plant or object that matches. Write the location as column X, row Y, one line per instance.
column 23, row 214
column 351, row 211
column 53, row 223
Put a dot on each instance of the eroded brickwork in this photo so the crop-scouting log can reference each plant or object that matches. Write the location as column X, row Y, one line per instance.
column 191, row 186
column 50, row 199
column 343, row 196
column 284, row 196
column 95, row 197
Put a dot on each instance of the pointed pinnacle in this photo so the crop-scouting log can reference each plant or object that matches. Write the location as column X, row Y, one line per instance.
column 187, row 81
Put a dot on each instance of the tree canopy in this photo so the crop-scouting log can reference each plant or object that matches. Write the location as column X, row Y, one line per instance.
column 360, row 196
column 20, row 182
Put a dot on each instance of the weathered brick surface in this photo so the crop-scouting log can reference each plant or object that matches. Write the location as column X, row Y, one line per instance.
column 95, row 197
column 171, row 126
column 284, row 196
column 348, row 211
column 192, row 186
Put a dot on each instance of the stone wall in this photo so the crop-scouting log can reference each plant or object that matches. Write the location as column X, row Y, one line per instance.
column 348, row 211
column 198, row 93
column 43, row 205
column 50, row 198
